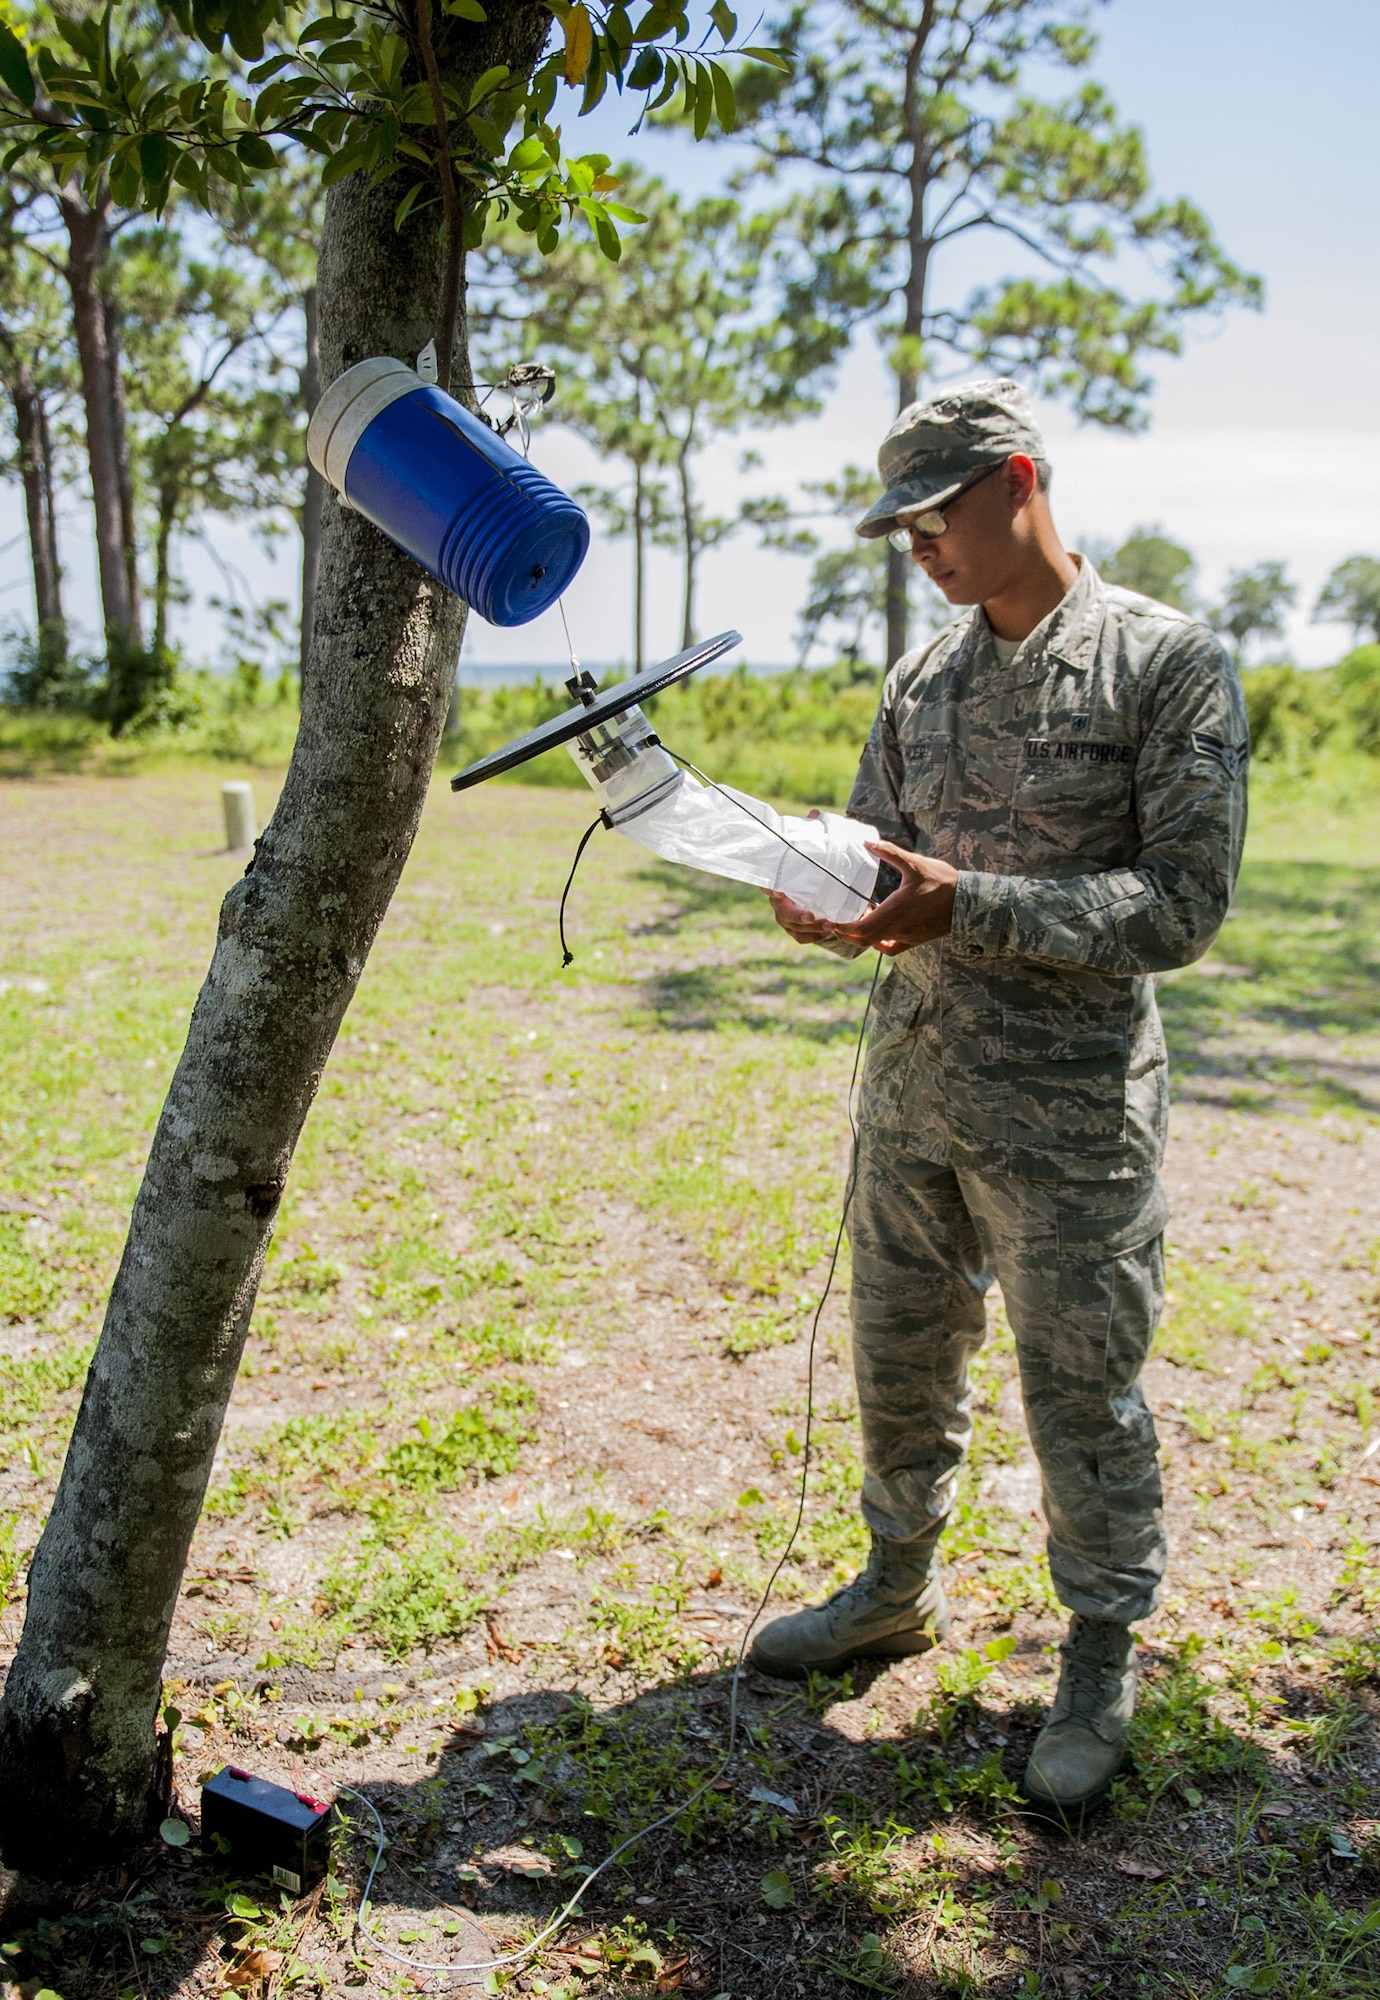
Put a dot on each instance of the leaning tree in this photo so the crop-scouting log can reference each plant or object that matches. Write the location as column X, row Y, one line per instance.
column 430, row 116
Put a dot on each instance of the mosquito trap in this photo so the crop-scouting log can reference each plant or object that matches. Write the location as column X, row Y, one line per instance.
column 448, row 488
column 654, row 798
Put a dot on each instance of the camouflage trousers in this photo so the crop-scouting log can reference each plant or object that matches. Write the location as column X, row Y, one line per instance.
column 1081, row 1268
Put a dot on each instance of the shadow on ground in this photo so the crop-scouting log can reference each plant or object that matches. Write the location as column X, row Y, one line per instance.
column 1284, row 1007
column 742, row 973
column 824, row 1861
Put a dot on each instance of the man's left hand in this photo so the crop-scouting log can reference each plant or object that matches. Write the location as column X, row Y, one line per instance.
column 919, row 911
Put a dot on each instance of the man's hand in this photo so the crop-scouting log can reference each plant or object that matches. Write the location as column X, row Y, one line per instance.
column 795, row 922
column 919, row 911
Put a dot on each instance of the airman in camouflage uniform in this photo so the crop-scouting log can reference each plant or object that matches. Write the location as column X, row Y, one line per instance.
column 1085, row 786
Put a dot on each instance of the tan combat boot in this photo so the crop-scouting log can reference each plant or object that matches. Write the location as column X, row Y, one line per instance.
column 894, row 1607
column 1080, row 1749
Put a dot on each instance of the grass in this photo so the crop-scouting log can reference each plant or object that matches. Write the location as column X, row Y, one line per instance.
column 527, row 1201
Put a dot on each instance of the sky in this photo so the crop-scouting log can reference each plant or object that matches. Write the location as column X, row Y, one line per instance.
column 1265, row 435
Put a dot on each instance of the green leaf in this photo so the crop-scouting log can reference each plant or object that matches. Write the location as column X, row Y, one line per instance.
column 243, row 26
column 124, row 181
column 240, row 1906
column 752, row 1498
column 345, row 52
column 255, row 152
column 190, row 173
column 174, row 1833
column 489, row 82
column 83, row 36
column 646, row 71
column 1000, row 1649
column 261, row 72
column 330, row 28
column 171, row 1716
column 778, row 1890
column 527, row 154
column 156, row 158
column 408, row 203
column 488, row 135
column 345, row 162
column 773, row 58
column 15, row 73
column 465, row 10
column 724, row 19
column 606, row 234
column 703, row 99
column 723, row 96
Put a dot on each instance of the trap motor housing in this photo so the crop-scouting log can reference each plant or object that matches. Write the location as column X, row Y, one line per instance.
column 269, row 1830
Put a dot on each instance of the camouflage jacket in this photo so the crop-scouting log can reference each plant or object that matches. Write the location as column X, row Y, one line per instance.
column 1092, row 794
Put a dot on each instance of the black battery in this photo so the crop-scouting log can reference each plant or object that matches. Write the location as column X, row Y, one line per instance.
column 268, row 1829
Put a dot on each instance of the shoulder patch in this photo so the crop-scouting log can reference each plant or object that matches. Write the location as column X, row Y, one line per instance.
column 1233, row 757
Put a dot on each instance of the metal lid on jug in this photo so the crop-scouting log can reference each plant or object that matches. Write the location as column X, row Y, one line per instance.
column 349, row 406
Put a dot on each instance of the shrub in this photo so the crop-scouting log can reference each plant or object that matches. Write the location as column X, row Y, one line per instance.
column 1291, row 713
column 1358, row 687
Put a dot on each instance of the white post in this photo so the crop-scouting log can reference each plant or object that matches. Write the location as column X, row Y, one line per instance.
column 238, row 802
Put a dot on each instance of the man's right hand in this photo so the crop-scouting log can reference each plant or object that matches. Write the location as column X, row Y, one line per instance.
column 795, row 922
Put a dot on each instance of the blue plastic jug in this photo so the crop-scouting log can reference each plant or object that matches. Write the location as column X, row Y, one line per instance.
column 448, row 490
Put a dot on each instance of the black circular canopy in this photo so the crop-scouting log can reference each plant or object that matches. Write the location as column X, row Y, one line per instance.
column 586, row 715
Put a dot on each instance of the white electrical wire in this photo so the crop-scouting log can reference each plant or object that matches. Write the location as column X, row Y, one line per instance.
column 456, row 1967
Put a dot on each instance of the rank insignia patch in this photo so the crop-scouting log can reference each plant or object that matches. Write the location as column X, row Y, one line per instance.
column 1231, row 756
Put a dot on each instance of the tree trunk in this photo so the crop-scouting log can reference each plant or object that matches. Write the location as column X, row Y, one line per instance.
column 87, row 241
column 918, row 247
column 162, row 569
column 31, row 434
column 687, row 515
column 898, row 563
column 639, row 566
column 129, row 529
column 82, row 1773
column 314, row 496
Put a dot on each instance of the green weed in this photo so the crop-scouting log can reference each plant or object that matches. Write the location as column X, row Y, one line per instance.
column 1202, row 1307
column 474, row 1442
column 29, row 1387
column 408, row 1584
column 642, row 1635
column 623, row 1771
column 29, row 1288
column 867, row 1865
column 1176, row 1736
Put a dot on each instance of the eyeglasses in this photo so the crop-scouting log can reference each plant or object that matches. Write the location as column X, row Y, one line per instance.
column 935, row 520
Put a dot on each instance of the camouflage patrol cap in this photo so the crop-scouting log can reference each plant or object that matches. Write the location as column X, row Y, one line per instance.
column 934, row 446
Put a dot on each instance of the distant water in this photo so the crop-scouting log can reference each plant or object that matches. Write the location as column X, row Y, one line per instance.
column 503, row 673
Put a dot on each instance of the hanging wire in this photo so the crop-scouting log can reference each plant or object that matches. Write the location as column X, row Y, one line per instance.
column 572, row 1906
column 567, row 955
column 569, row 642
